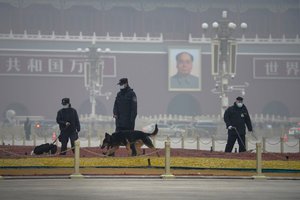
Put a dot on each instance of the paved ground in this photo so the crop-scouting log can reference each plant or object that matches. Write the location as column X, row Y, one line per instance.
column 149, row 189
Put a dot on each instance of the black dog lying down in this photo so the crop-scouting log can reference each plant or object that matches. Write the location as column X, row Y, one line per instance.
column 45, row 148
column 127, row 138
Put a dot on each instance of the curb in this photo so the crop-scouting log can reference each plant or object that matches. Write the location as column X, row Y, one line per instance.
column 146, row 177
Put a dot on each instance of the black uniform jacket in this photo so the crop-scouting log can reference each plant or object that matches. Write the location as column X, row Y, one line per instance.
column 238, row 118
column 68, row 115
column 125, row 108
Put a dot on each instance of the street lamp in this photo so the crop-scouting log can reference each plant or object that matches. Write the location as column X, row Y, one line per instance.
column 224, row 48
column 93, row 73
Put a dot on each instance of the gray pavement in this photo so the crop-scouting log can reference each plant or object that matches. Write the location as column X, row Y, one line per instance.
column 149, row 189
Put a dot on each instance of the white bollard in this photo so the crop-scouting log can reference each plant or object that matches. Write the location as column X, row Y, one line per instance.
column 167, row 174
column 76, row 173
column 259, row 174
column 154, row 141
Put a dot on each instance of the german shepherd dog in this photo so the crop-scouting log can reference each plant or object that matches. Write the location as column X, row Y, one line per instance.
column 127, row 138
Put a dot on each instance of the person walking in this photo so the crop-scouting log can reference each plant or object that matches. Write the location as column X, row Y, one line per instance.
column 69, row 125
column 125, row 109
column 237, row 118
column 27, row 128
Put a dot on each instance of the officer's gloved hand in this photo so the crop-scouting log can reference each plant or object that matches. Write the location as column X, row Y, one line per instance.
column 230, row 127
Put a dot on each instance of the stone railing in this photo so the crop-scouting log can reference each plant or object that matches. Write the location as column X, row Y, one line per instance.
column 138, row 39
column 82, row 38
column 256, row 40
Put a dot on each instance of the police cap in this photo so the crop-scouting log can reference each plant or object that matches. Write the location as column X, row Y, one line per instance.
column 65, row 101
column 123, row 81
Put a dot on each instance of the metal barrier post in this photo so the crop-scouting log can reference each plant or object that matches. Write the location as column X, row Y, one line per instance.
column 264, row 145
column 100, row 139
column 23, row 138
column 259, row 174
column 182, row 142
column 76, row 173
column 198, row 143
column 213, row 143
column 167, row 174
column 89, row 133
column 281, row 145
column 13, row 139
column 2, row 141
column 246, row 142
column 89, row 140
column 34, row 139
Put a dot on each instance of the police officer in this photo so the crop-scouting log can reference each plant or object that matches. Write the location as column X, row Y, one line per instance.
column 236, row 117
column 69, row 125
column 27, row 128
column 125, row 109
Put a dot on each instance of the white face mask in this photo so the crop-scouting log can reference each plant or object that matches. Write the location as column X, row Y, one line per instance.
column 66, row 106
column 122, row 86
column 239, row 104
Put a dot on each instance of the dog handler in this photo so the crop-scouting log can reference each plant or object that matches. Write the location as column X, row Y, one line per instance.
column 125, row 109
column 69, row 125
column 236, row 117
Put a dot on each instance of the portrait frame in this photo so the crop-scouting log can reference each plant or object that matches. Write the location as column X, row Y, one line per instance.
column 193, row 81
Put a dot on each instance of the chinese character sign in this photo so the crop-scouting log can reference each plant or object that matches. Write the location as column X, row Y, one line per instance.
column 276, row 68
column 49, row 65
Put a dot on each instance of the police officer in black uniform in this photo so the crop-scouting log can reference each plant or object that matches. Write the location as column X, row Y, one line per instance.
column 69, row 125
column 125, row 108
column 27, row 128
column 236, row 117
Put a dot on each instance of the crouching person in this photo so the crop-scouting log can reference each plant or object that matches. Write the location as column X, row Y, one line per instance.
column 69, row 125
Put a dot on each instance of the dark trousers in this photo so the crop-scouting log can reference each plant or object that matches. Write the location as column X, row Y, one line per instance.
column 132, row 146
column 232, row 137
column 64, row 142
column 27, row 135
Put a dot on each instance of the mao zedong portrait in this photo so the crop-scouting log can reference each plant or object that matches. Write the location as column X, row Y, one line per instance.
column 183, row 79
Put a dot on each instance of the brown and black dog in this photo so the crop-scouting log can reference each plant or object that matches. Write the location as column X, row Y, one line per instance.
column 126, row 138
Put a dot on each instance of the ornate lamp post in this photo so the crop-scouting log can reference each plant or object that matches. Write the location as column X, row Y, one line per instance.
column 93, row 74
column 224, row 48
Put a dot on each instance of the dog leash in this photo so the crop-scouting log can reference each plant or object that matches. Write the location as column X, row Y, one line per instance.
column 250, row 150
